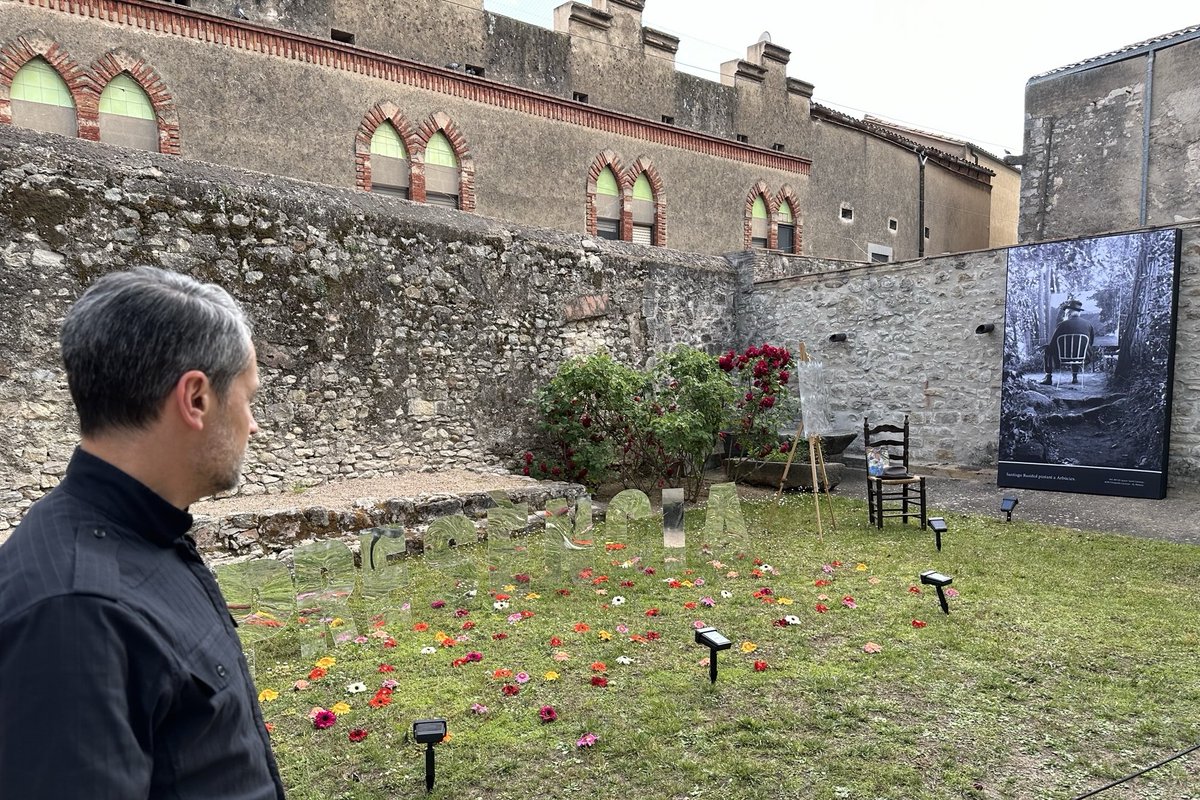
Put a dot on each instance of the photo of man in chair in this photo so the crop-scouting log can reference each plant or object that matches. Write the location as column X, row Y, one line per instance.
column 1068, row 347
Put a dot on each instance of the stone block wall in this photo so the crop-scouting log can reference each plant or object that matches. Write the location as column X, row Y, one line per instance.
column 389, row 334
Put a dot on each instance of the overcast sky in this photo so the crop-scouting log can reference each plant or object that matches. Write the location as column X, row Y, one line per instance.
column 948, row 66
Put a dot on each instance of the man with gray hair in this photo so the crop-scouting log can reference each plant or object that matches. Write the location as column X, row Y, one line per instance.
column 121, row 673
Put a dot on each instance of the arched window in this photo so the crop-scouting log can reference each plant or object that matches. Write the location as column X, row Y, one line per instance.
column 608, row 205
column 126, row 115
column 390, row 173
column 441, row 172
column 787, row 228
column 643, row 210
column 760, row 223
column 41, row 100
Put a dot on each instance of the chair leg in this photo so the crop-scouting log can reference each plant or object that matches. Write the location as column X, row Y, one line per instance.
column 879, row 506
column 924, row 521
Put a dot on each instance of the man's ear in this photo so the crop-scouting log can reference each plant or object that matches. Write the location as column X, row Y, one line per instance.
column 192, row 399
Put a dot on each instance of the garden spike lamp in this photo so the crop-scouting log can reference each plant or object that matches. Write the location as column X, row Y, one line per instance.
column 939, row 527
column 429, row 732
column 931, row 578
column 1007, row 505
column 715, row 643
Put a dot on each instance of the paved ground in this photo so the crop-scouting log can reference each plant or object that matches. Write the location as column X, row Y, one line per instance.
column 1175, row 518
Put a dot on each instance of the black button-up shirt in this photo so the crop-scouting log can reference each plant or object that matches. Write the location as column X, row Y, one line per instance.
column 121, row 674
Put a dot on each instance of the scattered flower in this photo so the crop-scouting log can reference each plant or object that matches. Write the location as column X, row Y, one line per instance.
column 624, row 660
column 707, row 601
column 760, row 666
column 502, row 674
column 317, row 673
column 533, row 596
column 499, row 636
column 438, row 604
column 269, row 726
column 324, row 719
column 386, row 668
column 951, row 591
column 749, row 647
column 599, row 666
column 651, row 612
column 792, row 619
column 361, row 640
column 725, row 593
column 821, row 582
column 561, row 656
column 340, row 708
column 872, row 647
column 873, row 580
column 547, row 714
column 605, row 636
column 698, row 624
column 848, row 602
column 357, row 734
column 582, row 627
column 428, row 651
column 827, row 569
column 300, row 686
column 597, row 680
column 653, row 636
column 698, row 582
column 474, row 656
column 860, row 567
column 914, row 589
column 510, row 689
column 381, row 698
column 356, row 687
column 822, row 608
column 622, row 628
column 550, row 675
column 326, row 662
column 618, row 600
column 462, row 612
column 267, row 695
column 479, row 709
column 389, row 684
column 555, row 641
column 500, row 605
column 916, row 623
column 513, row 619
column 521, row 677
column 587, row 740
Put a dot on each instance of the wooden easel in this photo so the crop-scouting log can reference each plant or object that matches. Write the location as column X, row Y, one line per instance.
column 816, row 461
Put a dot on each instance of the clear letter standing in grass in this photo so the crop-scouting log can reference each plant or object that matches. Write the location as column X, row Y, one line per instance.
column 120, row 659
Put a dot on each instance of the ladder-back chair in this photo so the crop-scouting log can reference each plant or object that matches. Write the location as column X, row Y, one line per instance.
column 895, row 493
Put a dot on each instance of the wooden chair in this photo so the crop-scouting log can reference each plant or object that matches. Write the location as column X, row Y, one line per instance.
column 1073, row 352
column 893, row 496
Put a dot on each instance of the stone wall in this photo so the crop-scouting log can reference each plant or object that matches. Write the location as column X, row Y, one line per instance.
column 389, row 334
column 911, row 346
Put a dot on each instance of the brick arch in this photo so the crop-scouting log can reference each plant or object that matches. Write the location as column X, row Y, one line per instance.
column 606, row 159
column 644, row 166
column 788, row 195
column 385, row 112
column 759, row 189
column 112, row 64
column 441, row 121
column 16, row 53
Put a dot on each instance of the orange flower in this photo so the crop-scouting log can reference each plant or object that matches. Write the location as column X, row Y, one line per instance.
column 598, row 666
column 582, row 627
column 317, row 673
column 500, row 674
column 420, row 627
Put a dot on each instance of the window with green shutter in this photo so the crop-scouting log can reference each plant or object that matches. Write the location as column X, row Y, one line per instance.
column 608, row 205
column 127, row 116
column 760, row 223
column 643, row 210
column 390, row 168
column 786, row 239
column 41, row 100
column 441, row 172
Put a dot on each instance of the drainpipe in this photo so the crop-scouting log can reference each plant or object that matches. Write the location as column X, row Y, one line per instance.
column 921, row 158
column 1147, row 98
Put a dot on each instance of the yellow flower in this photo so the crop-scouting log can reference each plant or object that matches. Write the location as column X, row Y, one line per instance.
column 688, row 584
column 749, row 647
column 267, row 695
column 551, row 675
column 784, row 601
column 326, row 662
column 340, row 708
column 533, row 596
column 604, row 636
column 508, row 587
column 336, row 622
column 440, row 636
column 861, row 567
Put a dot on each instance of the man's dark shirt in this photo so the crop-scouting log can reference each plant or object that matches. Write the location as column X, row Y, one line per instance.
column 121, row 675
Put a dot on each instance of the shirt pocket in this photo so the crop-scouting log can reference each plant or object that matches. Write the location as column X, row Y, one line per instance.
column 213, row 665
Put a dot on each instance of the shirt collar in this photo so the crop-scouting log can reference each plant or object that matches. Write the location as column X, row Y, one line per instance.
column 124, row 499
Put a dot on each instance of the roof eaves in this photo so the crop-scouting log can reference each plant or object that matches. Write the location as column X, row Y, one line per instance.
column 1129, row 51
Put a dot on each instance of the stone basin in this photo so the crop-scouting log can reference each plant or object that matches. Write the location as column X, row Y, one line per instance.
column 769, row 473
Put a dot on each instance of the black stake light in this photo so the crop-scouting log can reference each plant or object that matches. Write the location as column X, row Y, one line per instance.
column 939, row 527
column 932, row 578
column 429, row 732
column 715, row 643
column 1007, row 505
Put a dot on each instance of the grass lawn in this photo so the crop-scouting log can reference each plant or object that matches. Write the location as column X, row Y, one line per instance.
column 1067, row 660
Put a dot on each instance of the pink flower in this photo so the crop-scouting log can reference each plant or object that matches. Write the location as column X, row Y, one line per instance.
column 438, row 604
column 474, row 656
column 848, row 602
column 587, row 740
column 547, row 714
column 522, row 677
column 324, row 719
column 479, row 709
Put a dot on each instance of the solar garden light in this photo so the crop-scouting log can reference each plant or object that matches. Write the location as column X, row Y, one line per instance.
column 939, row 527
column 1007, row 505
column 715, row 643
column 429, row 732
column 931, row 578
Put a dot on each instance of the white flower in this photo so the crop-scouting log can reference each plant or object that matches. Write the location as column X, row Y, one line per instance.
column 618, row 601
column 624, row 660
column 792, row 619
column 726, row 594
column 355, row 688
column 428, row 651
column 500, row 605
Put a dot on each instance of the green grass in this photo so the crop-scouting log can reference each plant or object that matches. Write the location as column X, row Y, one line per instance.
column 1067, row 660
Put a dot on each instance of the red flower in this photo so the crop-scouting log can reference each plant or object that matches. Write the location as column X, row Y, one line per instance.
column 468, row 625
column 760, row 666
column 458, row 662
column 674, row 583
column 420, row 627
column 381, row 699
column 652, row 612
column 582, row 627
column 547, row 714
column 653, row 635
column 627, row 584
column 600, row 681
column 389, row 642
column 563, row 592
column 916, row 623
column 357, row 734
column 822, row 608
column 317, row 673
column 462, row 612
column 555, row 641
column 526, row 614
column 270, row 726
column 766, row 402
column 822, row 582
column 689, row 605
column 501, row 596
column 914, row 590
column 528, row 457
column 499, row 636
column 510, row 689
column 780, row 623
column 599, row 666
column 386, row 668
column 648, row 571
column 438, row 604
